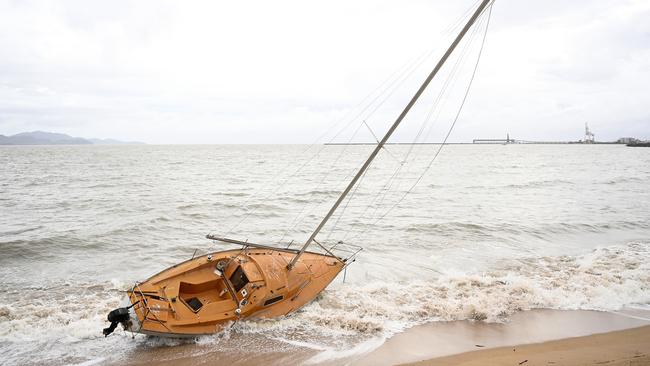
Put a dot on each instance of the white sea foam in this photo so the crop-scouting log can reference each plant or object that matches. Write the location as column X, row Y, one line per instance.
column 605, row 279
column 360, row 313
column 95, row 361
column 337, row 354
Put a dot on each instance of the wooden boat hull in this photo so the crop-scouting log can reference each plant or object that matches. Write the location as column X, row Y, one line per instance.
column 205, row 294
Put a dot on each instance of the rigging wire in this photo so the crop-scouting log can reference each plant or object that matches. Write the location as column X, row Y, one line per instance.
column 462, row 19
column 449, row 83
column 348, row 143
column 296, row 222
column 382, row 87
column 460, row 60
column 437, row 153
column 390, row 89
column 383, row 192
column 392, row 86
column 349, row 199
column 340, row 215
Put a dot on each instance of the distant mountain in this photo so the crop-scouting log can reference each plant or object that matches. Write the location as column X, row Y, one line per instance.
column 51, row 138
column 43, row 138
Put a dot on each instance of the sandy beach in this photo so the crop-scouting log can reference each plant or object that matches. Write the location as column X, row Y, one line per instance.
column 437, row 341
column 627, row 347
column 538, row 337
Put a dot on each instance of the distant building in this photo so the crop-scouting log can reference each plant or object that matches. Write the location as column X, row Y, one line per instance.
column 627, row 140
column 589, row 136
column 507, row 140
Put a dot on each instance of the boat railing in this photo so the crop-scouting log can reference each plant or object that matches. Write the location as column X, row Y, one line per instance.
column 247, row 244
column 347, row 252
column 145, row 304
column 344, row 251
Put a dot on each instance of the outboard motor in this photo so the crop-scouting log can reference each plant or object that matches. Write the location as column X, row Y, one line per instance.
column 117, row 316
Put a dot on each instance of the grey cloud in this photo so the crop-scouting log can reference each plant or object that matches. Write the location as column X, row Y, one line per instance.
column 259, row 73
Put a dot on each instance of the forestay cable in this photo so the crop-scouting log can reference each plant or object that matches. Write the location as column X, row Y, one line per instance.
column 448, row 132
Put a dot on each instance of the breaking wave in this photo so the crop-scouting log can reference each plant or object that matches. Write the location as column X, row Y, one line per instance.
column 604, row 279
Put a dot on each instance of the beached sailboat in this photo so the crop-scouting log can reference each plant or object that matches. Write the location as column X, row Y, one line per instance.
column 207, row 293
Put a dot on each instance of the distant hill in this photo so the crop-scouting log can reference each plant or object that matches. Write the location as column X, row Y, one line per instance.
column 51, row 138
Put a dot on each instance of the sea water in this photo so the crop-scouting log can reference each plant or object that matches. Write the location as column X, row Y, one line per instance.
column 482, row 232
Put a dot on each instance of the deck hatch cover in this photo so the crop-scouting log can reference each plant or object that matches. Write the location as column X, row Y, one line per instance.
column 194, row 303
column 238, row 279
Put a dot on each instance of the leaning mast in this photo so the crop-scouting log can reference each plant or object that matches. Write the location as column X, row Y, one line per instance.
column 399, row 119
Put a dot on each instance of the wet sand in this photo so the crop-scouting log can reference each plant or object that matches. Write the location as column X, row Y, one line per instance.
column 436, row 340
column 622, row 348
column 539, row 336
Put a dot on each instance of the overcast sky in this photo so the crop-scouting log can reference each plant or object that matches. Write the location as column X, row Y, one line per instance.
column 285, row 71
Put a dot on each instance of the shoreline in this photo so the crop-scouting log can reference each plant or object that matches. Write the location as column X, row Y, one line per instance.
column 442, row 339
column 436, row 343
column 630, row 347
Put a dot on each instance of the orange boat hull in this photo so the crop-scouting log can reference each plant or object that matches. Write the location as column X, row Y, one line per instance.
column 207, row 293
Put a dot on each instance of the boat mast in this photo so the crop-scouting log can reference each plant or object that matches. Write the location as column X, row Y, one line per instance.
column 381, row 143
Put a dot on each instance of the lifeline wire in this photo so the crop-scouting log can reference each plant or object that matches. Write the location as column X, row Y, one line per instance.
column 450, row 128
column 388, row 185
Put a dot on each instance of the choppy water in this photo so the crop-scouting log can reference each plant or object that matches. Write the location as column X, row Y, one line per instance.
column 488, row 231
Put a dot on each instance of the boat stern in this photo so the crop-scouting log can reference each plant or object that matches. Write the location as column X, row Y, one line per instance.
column 124, row 315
